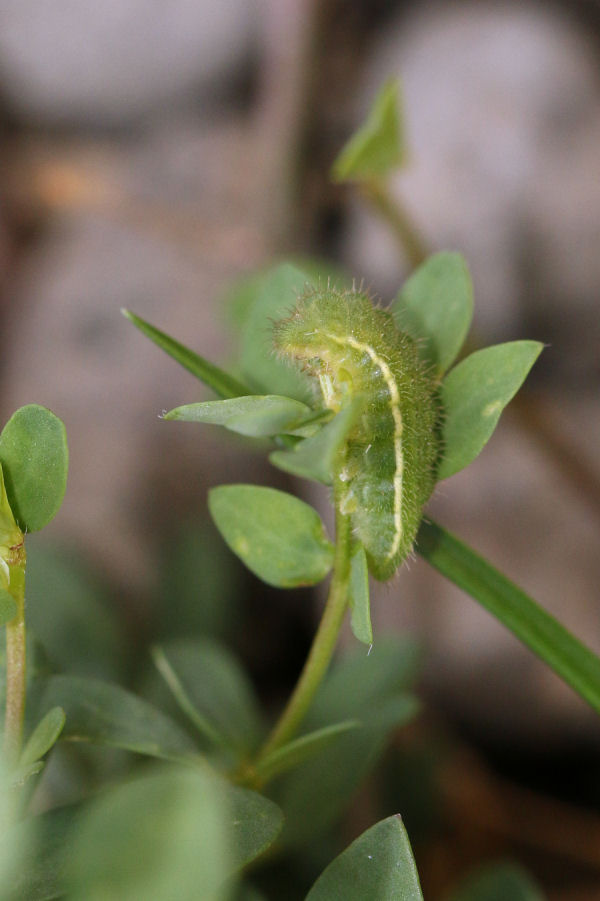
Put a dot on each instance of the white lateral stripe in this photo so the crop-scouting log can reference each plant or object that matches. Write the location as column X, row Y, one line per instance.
column 390, row 382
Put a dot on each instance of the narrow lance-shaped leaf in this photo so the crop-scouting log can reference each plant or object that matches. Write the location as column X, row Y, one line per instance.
column 221, row 382
column 474, row 395
column 300, row 749
column 279, row 537
column 565, row 654
column 360, row 608
column 257, row 416
column 315, row 457
column 35, row 461
column 378, row 864
column 436, row 306
column 377, row 148
column 43, row 737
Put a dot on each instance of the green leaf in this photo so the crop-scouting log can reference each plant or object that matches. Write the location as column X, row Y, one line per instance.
column 379, row 864
column 378, row 147
column 106, row 714
column 473, row 396
column 276, row 296
column 565, row 654
column 43, row 737
column 44, row 843
column 498, row 882
column 213, row 691
column 258, row 416
column 256, row 822
column 436, row 306
column 221, row 382
column 300, row 749
column 360, row 606
column 315, row 458
column 35, row 461
column 163, row 836
column 368, row 688
column 8, row 608
column 280, row 538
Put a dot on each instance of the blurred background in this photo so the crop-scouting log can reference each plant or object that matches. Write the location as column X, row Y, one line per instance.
column 151, row 154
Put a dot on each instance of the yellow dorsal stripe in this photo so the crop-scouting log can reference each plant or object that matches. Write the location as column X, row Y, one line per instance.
column 390, row 382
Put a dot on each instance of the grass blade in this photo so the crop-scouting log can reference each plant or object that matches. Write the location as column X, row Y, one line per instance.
column 544, row 635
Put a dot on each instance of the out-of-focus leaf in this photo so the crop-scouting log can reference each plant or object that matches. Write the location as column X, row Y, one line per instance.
column 221, row 382
column 215, row 687
column 255, row 824
column 257, row 416
column 474, row 395
column 68, row 608
column 300, row 749
column 378, row 147
column 436, row 306
column 378, row 865
column 43, row 737
column 35, row 462
column 498, row 882
column 106, row 714
column 279, row 537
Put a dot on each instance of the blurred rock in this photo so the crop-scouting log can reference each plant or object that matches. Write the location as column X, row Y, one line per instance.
column 110, row 63
column 502, row 109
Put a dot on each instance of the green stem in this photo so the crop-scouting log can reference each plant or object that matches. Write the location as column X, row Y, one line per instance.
column 15, row 666
column 323, row 645
column 412, row 243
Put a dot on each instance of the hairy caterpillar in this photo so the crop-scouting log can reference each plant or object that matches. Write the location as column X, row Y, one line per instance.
column 387, row 473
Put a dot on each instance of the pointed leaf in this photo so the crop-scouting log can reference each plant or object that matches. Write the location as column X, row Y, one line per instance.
column 576, row 664
column 498, row 882
column 35, row 461
column 315, row 458
column 473, row 396
column 258, row 416
column 360, row 606
column 378, row 147
column 106, row 714
column 300, row 749
column 221, row 382
column 256, row 823
column 8, row 608
column 279, row 537
column 436, row 306
column 43, row 737
column 378, row 864
column 213, row 690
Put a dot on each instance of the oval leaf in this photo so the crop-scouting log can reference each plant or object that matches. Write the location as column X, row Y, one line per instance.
column 436, row 306
column 35, row 460
column 256, row 415
column 8, row 607
column 106, row 714
column 378, row 864
column 377, row 148
column 279, row 537
column 474, row 395
column 43, row 737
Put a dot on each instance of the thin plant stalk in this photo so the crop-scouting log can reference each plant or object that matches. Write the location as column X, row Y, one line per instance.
column 15, row 663
column 323, row 645
column 411, row 242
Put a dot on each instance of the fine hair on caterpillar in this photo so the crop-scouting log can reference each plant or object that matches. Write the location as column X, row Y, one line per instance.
column 386, row 471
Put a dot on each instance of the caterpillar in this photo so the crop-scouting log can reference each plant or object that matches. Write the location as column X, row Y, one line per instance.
column 387, row 472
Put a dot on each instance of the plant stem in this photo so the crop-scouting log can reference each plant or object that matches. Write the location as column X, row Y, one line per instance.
column 411, row 242
column 323, row 645
column 15, row 665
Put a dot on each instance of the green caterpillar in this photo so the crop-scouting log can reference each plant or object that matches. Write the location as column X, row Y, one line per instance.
column 387, row 472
